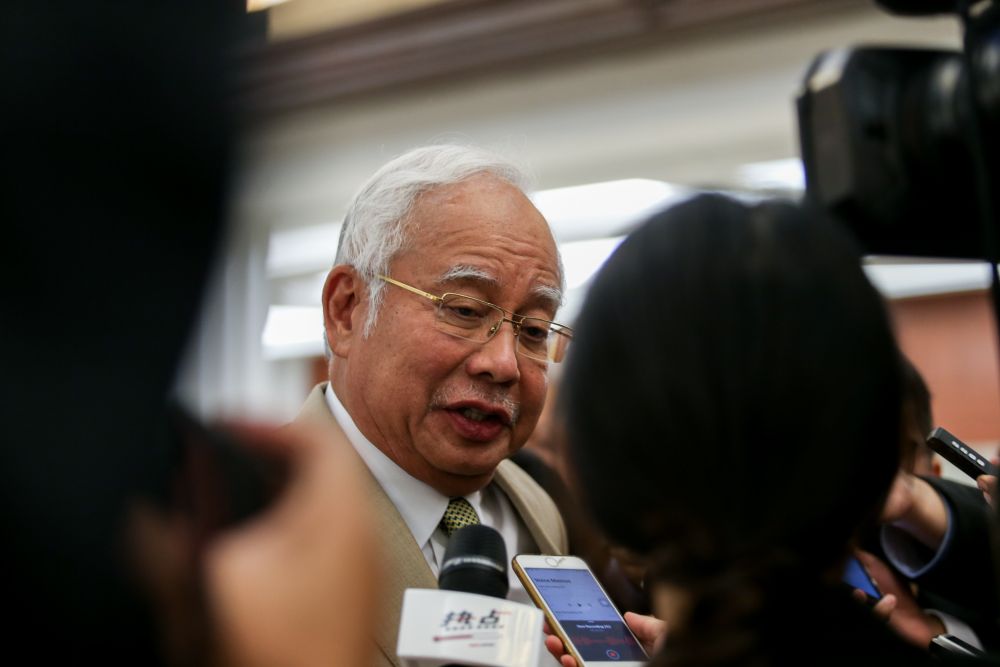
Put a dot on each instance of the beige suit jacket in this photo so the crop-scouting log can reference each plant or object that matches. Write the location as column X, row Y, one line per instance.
column 404, row 562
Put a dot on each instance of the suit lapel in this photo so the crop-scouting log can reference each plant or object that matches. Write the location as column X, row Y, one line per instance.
column 404, row 565
column 518, row 486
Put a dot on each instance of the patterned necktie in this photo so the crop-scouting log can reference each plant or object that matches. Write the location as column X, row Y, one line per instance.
column 459, row 514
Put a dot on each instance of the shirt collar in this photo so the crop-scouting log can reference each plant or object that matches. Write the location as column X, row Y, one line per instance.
column 420, row 505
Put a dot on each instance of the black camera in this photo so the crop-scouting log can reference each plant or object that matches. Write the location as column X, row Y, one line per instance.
column 903, row 145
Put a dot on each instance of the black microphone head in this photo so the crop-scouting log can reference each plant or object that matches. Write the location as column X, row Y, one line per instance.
column 475, row 562
column 917, row 7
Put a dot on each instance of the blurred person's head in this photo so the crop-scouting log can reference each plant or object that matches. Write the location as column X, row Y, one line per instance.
column 918, row 457
column 733, row 395
column 548, row 440
column 442, row 386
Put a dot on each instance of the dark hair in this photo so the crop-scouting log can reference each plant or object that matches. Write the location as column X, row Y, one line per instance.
column 916, row 411
column 733, row 392
column 916, row 395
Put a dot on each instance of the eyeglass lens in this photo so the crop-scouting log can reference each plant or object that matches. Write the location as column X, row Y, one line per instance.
column 469, row 318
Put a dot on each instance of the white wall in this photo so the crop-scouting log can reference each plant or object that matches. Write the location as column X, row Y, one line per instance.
column 691, row 112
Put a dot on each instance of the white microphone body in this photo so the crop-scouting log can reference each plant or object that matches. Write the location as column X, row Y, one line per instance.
column 442, row 627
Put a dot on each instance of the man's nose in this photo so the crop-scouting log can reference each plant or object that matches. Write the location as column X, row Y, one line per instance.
column 497, row 357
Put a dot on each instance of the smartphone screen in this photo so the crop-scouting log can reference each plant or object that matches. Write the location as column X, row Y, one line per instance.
column 586, row 615
column 856, row 576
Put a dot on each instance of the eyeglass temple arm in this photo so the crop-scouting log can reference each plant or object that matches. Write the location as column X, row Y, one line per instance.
column 410, row 288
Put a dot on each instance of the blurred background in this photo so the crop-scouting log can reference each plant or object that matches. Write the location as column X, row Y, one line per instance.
column 617, row 107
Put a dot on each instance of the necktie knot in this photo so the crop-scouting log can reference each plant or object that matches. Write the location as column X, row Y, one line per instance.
column 459, row 514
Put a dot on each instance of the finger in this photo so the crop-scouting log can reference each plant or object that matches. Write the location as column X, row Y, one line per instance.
column 647, row 625
column 554, row 646
column 878, row 570
column 987, row 484
column 883, row 608
column 649, row 630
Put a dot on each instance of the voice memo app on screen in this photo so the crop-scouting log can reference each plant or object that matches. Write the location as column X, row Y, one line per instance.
column 574, row 600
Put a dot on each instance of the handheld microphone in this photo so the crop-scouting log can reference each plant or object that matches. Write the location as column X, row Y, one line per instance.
column 467, row 621
column 475, row 562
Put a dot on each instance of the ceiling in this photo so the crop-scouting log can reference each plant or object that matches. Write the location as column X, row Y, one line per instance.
column 297, row 18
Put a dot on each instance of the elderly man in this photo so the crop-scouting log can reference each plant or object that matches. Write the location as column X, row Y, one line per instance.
column 438, row 315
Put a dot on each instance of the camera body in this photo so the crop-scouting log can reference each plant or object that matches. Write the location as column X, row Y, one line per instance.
column 902, row 144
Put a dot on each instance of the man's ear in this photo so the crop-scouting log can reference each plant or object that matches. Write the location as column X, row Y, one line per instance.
column 344, row 308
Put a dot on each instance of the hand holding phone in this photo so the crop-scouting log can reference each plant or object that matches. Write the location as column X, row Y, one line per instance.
column 856, row 575
column 263, row 554
column 579, row 611
column 296, row 583
column 959, row 454
column 221, row 481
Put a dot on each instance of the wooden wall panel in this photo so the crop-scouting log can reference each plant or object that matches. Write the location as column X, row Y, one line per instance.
column 952, row 339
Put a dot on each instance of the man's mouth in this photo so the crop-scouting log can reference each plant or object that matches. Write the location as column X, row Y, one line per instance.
column 476, row 415
column 479, row 422
column 479, row 411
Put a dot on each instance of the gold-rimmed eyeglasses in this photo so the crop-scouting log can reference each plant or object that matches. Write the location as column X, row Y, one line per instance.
column 477, row 320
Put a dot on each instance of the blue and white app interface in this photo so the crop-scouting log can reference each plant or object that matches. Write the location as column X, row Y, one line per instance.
column 586, row 615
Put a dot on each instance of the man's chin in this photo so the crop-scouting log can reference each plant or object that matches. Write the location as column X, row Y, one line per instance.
column 464, row 464
column 463, row 480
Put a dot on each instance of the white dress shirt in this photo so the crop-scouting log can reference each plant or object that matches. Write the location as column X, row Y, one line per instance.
column 422, row 506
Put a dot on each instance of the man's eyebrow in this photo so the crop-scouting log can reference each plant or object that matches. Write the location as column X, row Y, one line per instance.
column 464, row 272
column 547, row 293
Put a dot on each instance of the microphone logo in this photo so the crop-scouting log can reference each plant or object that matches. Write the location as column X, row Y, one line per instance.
column 465, row 625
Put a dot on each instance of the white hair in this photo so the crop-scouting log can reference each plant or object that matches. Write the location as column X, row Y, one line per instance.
column 377, row 226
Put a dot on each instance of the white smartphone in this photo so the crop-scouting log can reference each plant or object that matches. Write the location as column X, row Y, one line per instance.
column 579, row 611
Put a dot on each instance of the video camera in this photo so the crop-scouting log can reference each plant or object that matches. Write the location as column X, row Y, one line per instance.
column 903, row 145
